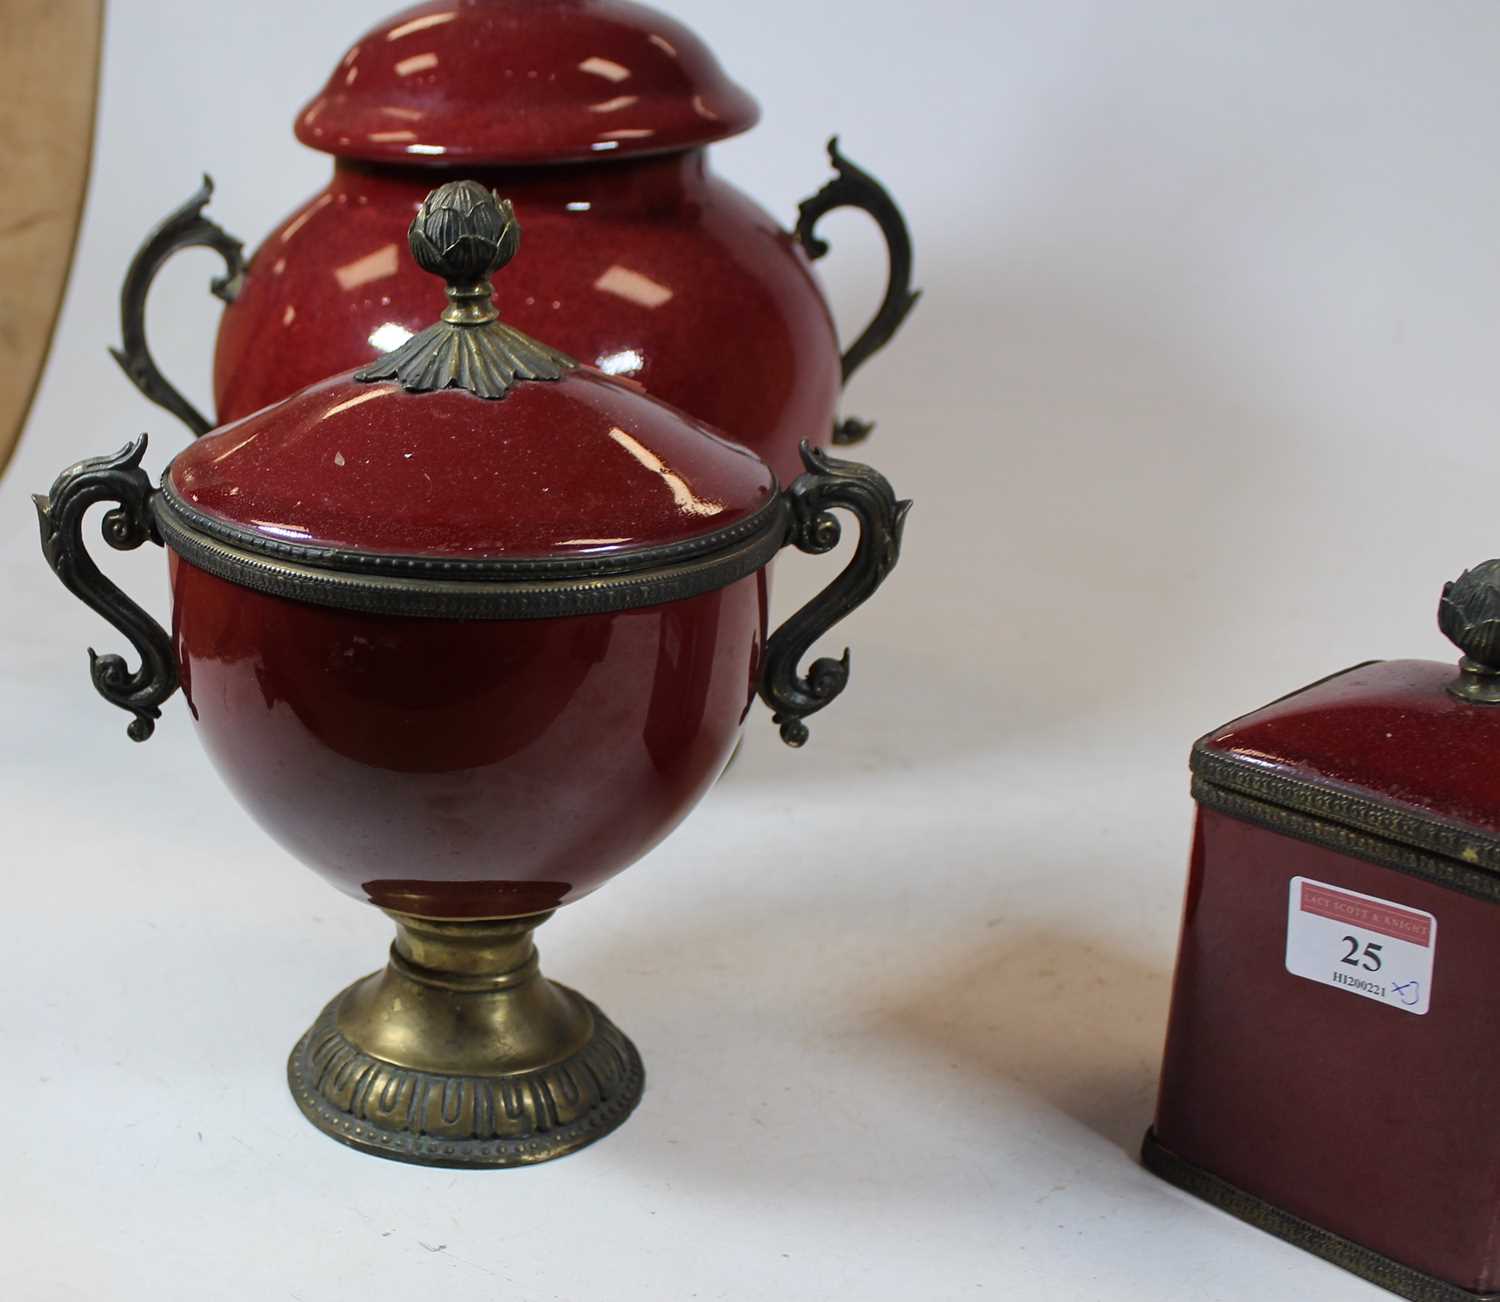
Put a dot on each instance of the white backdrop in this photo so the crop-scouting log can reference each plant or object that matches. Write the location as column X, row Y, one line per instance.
column 1200, row 404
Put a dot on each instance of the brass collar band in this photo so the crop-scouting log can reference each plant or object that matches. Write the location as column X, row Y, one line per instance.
column 436, row 587
column 465, row 956
column 1476, row 683
column 1348, row 822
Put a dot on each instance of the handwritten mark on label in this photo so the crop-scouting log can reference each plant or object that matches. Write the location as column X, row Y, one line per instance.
column 1410, row 993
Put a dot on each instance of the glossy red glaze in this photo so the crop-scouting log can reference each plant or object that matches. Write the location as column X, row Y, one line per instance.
column 650, row 269
column 1387, row 730
column 580, row 465
column 466, row 769
column 1367, row 1121
column 524, row 81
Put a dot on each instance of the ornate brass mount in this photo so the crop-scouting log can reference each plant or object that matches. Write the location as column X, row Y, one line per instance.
column 465, row 233
column 460, row 1053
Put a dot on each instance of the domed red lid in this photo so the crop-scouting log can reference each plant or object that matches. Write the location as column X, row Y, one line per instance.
column 524, row 81
column 471, row 456
column 1385, row 736
column 582, row 466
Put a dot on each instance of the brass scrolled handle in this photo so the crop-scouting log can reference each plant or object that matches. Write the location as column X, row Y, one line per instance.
column 853, row 187
column 185, row 228
column 121, row 480
column 829, row 483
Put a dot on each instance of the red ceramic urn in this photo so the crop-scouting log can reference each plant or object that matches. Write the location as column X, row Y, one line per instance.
column 1335, row 1026
column 469, row 631
column 593, row 117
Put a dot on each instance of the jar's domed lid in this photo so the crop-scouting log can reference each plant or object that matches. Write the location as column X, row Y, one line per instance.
column 582, row 467
column 473, row 471
column 524, row 81
column 576, row 468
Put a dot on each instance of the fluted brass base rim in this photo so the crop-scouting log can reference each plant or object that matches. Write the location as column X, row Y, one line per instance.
column 338, row 1086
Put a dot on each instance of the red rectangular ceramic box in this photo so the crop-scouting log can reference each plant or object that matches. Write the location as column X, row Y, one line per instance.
column 1332, row 1067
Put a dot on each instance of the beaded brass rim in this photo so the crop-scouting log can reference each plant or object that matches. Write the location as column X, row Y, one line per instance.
column 439, row 587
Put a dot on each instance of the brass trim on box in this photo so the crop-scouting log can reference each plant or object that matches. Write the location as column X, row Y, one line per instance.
column 461, row 1054
column 1404, row 1281
column 1382, row 820
column 1316, row 830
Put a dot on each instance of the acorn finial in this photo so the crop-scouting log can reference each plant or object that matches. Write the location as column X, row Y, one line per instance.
column 1469, row 617
column 464, row 232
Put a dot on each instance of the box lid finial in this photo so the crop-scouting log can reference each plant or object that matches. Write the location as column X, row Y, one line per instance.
column 1469, row 616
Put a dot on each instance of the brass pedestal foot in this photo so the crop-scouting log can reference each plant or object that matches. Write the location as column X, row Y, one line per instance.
column 460, row 1053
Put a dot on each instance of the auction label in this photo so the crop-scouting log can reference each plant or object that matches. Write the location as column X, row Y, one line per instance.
column 1360, row 944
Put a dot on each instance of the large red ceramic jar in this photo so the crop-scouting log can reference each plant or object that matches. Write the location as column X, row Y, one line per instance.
column 468, row 631
column 593, row 117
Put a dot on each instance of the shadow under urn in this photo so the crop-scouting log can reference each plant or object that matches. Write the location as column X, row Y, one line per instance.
column 467, row 659
column 593, row 117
